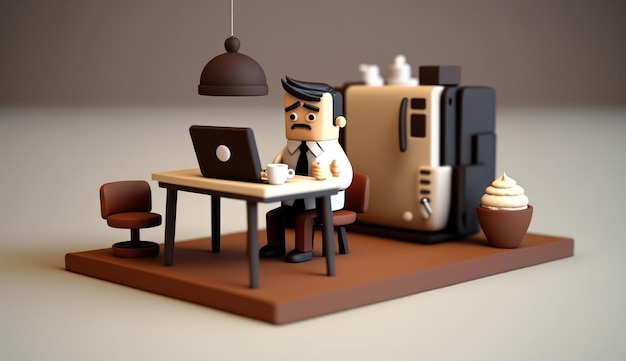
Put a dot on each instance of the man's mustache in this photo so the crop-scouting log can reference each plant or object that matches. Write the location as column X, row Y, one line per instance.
column 294, row 126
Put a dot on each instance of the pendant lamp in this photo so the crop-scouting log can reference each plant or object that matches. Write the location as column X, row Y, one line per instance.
column 232, row 73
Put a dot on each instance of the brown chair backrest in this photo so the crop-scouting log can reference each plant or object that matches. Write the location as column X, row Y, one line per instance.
column 358, row 194
column 125, row 196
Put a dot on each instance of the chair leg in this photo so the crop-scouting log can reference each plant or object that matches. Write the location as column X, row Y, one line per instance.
column 134, row 238
column 343, row 240
column 135, row 247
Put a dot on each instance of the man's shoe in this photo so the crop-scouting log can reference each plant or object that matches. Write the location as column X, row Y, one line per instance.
column 296, row 256
column 269, row 251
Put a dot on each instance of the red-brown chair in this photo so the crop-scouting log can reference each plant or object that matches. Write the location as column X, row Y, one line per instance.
column 357, row 201
column 128, row 204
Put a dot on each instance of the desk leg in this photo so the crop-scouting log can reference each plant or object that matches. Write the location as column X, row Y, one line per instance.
column 215, row 224
column 170, row 226
column 253, row 243
column 327, row 234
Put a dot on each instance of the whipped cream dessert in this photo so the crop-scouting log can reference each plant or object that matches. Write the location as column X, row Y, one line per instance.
column 504, row 194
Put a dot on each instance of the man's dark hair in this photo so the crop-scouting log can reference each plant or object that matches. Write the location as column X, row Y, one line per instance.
column 314, row 92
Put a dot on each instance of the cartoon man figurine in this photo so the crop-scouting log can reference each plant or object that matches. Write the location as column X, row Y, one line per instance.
column 313, row 117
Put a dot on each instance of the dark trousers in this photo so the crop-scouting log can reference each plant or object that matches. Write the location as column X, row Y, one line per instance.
column 303, row 220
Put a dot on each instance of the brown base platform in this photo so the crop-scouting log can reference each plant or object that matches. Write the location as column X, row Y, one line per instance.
column 375, row 270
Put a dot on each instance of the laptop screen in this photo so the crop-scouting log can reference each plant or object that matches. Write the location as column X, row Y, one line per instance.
column 226, row 152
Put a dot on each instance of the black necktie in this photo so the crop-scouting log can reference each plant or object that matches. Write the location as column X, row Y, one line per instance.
column 302, row 167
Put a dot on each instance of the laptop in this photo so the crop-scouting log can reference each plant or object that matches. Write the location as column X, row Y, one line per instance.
column 226, row 153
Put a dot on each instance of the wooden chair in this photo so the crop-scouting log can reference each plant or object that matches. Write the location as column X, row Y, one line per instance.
column 357, row 201
column 128, row 204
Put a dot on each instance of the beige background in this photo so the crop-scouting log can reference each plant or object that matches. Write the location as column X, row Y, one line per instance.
column 133, row 66
column 152, row 52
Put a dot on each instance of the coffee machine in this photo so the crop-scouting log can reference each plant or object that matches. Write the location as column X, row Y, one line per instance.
column 429, row 150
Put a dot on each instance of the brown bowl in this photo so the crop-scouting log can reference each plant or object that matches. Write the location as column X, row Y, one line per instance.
column 504, row 229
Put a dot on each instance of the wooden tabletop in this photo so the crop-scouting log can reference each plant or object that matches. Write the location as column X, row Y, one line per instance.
column 296, row 186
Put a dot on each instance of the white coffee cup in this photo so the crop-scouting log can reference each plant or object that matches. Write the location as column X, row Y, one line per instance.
column 278, row 173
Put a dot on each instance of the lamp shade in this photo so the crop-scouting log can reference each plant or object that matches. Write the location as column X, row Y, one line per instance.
column 232, row 74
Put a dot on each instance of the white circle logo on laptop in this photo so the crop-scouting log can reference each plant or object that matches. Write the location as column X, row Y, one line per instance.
column 223, row 153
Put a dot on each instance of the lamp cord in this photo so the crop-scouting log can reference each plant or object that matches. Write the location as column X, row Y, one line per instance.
column 232, row 18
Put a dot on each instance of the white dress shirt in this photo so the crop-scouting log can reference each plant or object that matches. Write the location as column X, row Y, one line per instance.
column 323, row 152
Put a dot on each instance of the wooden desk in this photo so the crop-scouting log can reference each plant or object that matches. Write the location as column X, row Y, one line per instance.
column 191, row 180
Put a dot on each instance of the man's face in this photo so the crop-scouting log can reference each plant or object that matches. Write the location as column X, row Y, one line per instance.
column 310, row 120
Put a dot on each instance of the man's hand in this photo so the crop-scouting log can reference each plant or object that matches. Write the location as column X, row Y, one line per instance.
column 320, row 172
column 335, row 169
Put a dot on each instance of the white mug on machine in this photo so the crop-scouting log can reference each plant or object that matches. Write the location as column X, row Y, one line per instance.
column 278, row 173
